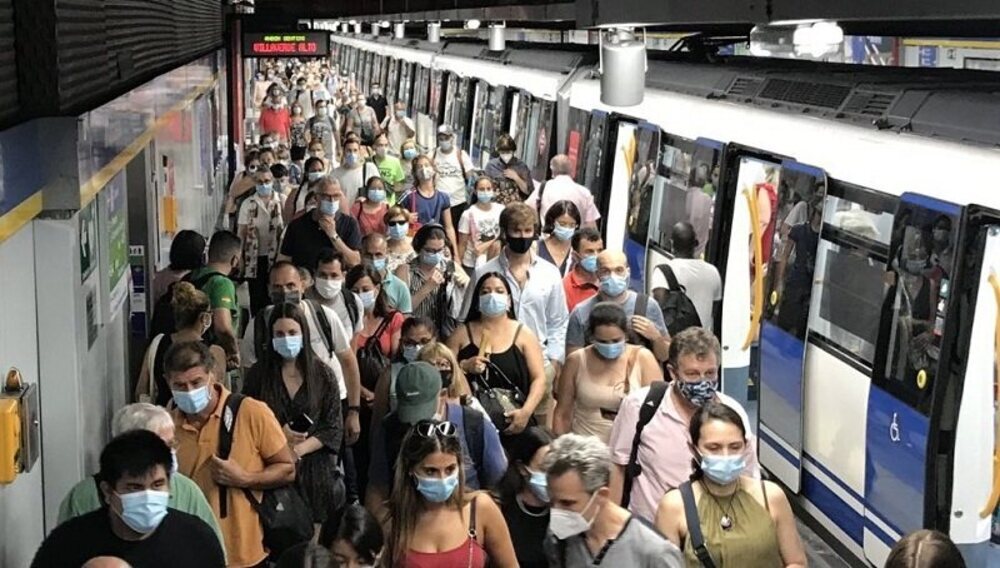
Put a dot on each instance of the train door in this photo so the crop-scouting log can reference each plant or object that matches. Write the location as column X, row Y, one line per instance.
column 749, row 213
column 789, row 281
column 973, row 514
column 911, row 378
column 638, row 194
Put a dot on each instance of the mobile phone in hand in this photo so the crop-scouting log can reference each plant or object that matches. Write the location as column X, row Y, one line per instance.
column 300, row 423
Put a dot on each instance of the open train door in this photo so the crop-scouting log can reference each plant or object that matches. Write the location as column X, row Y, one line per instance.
column 788, row 283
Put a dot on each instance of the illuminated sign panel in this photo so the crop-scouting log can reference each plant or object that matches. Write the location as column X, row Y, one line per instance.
column 291, row 44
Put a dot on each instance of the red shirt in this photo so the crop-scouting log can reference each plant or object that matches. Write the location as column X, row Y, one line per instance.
column 577, row 290
column 370, row 222
column 275, row 120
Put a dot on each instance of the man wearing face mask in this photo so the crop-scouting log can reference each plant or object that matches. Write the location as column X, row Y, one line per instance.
column 454, row 166
column 185, row 496
column 328, row 289
column 581, row 283
column 363, row 121
column 389, row 167
column 322, row 128
column 375, row 252
column 421, row 395
column 353, row 173
column 662, row 454
column 137, row 525
column 224, row 251
column 562, row 187
column 398, row 127
column 377, row 102
column 259, row 458
column 274, row 114
column 536, row 288
column 585, row 517
column 510, row 175
column 325, row 227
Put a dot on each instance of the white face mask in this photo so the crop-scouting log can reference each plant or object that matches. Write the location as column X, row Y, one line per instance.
column 565, row 524
column 328, row 288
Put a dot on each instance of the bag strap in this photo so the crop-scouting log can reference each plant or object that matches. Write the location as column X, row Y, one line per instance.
column 260, row 332
column 154, row 346
column 671, row 279
column 352, row 307
column 538, row 204
column 202, row 280
column 226, row 426
column 386, row 320
column 472, row 518
column 694, row 526
column 646, row 412
column 325, row 328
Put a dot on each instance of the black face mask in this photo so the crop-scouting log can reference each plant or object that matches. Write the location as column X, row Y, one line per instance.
column 446, row 378
column 519, row 245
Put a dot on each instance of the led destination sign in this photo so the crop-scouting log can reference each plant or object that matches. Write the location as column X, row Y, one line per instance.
column 292, row 44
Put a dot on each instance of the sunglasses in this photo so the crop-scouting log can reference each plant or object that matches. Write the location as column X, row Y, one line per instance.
column 430, row 428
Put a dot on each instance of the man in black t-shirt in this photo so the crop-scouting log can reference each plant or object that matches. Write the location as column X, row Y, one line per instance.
column 136, row 526
column 325, row 227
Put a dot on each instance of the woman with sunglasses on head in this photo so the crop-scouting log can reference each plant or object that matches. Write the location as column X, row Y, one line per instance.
column 596, row 378
column 524, row 497
column 434, row 522
column 493, row 344
column 743, row 521
column 304, row 396
column 397, row 232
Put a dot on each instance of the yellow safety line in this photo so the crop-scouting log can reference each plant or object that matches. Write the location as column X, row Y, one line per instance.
column 12, row 221
column 959, row 43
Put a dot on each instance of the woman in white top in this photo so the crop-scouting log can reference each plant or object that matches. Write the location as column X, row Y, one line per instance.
column 479, row 227
column 596, row 379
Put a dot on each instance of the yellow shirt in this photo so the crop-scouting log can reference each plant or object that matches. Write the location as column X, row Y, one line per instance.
column 256, row 437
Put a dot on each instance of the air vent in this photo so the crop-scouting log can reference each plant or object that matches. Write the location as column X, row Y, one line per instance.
column 867, row 103
column 744, row 87
column 803, row 93
column 497, row 56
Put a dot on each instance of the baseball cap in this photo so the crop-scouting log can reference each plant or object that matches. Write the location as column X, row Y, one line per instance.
column 417, row 388
column 446, row 130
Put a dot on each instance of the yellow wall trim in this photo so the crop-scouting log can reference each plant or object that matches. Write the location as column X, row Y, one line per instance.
column 12, row 221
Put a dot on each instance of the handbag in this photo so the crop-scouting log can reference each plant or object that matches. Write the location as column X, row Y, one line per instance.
column 497, row 401
column 371, row 360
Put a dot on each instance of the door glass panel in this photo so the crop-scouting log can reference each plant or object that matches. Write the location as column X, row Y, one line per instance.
column 492, row 122
column 392, row 81
column 460, row 122
column 434, row 103
column 478, row 109
column 542, row 133
column 594, row 151
column 576, row 136
column 523, row 136
column 685, row 185
column 640, row 192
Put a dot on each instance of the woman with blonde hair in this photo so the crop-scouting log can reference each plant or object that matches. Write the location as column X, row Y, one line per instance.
column 452, row 376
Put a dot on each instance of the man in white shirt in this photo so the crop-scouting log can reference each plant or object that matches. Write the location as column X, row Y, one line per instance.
column 453, row 167
column 562, row 187
column 399, row 128
column 328, row 289
column 353, row 172
column 700, row 279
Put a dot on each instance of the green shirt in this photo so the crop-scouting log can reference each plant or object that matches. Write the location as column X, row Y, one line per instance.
column 398, row 293
column 390, row 170
column 185, row 496
column 221, row 294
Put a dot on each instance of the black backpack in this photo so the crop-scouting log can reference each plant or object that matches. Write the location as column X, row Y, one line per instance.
column 352, row 309
column 163, row 311
column 678, row 310
column 474, row 424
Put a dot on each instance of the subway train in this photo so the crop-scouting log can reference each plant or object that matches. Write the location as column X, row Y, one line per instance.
column 853, row 216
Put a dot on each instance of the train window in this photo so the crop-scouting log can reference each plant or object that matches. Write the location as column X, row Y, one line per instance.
column 406, row 85
column 422, row 89
column 921, row 261
column 434, row 100
column 460, row 119
column 493, row 123
column 685, row 186
column 392, row 81
column 521, row 109
column 640, row 192
column 542, row 131
column 482, row 90
column 594, row 150
column 576, row 137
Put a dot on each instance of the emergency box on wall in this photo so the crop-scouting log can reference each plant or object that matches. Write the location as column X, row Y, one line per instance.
column 20, row 440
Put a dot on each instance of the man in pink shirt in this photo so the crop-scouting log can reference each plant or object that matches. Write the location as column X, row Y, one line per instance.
column 665, row 454
column 562, row 187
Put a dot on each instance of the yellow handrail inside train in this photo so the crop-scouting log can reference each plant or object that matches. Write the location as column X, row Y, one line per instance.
column 991, row 503
column 758, row 263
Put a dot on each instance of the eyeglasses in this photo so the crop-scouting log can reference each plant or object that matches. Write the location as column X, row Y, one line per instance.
column 429, row 428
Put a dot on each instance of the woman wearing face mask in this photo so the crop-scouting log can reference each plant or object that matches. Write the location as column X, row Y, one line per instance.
column 371, row 207
column 193, row 317
column 354, row 536
column 596, row 378
column 744, row 521
column 479, row 227
column 304, row 396
column 417, row 333
column 298, row 141
column 407, row 153
column 524, row 496
column 295, row 203
column 244, row 182
column 511, row 176
column 492, row 337
column 274, row 115
column 452, row 377
column 397, row 231
column 259, row 226
column 429, row 204
column 381, row 323
column 434, row 521
column 435, row 289
column 323, row 128
column 561, row 222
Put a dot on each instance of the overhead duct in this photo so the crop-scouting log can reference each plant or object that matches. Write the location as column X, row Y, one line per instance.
column 357, row 28
column 399, row 30
column 622, row 67
column 497, row 38
column 375, row 29
column 434, row 32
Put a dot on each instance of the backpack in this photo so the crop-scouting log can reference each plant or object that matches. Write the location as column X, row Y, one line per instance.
column 641, row 307
column 371, row 360
column 678, row 310
column 283, row 514
column 474, row 426
column 163, row 312
column 352, row 309
column 646, row 412
column 262, row 335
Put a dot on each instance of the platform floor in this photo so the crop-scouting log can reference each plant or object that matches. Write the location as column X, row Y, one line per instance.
column 819, row 555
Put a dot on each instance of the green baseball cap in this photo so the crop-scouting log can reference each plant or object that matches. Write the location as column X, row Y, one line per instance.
column 417, row 388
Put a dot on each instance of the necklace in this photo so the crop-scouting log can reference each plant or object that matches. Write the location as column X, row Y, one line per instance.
column 524, row 508
column 726, row 522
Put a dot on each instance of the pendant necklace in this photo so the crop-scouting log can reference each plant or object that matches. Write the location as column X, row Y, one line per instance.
column 726, row 522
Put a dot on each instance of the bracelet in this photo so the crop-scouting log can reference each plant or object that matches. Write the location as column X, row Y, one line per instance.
column 354, row 408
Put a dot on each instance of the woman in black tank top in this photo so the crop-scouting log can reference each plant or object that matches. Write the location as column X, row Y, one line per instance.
column 491, row 334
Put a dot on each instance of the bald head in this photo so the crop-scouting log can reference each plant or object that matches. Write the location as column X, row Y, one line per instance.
column 683, row 239
column 612, row 261
column 106, row 562
column 561, row 165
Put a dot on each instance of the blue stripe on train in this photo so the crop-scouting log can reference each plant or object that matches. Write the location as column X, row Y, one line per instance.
column 842, row 514
column 773, row 444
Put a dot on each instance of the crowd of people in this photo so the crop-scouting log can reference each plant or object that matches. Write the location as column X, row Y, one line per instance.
column 389, row 357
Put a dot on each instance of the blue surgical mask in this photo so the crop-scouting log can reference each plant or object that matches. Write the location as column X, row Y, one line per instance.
column 264, row 189
column 376, row 195
column 492, row 304
column 698, row 393
column 614, row 285
column 437, row 489
column 563, row 233
column 431, row 259
column 350, row 159
column 484, row 196
column 445, row 145
column 368, row 299
column 723, row 469
column 589, row 263
column 411, row 352
column 329, row 208
column 192, row 401
column 379, row 264
column 314, row 176
column 400, row 113
column 288, row 346
column 610, row 350
column 399, row 231
column 409, row 153
column 539, row 485
column 143, row 511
